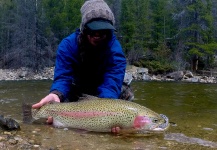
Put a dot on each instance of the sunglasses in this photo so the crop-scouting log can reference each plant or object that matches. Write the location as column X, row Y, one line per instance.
column 98, row 33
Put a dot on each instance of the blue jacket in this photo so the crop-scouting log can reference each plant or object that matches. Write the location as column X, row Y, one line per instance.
column 101, row 75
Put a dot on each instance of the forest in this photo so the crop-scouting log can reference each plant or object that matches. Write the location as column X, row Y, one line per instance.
column 162, row 35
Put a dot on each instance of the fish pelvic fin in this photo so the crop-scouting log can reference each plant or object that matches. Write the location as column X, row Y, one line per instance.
column 27, row 113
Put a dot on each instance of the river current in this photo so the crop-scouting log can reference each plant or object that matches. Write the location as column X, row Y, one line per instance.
column 190, row 107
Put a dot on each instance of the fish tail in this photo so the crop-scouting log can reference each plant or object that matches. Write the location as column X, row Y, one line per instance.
column 27, row 113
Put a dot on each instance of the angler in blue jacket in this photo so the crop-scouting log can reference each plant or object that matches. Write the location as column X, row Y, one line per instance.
column 90, row 60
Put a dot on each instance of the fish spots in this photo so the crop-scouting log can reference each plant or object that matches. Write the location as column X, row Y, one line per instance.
column 87, row 114
column 101, row 115
column 141, row 121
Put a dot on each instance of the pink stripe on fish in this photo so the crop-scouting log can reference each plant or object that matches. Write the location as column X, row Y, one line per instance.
column 87, row 114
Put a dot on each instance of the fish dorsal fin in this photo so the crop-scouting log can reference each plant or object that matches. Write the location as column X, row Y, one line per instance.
column 52, row 102
column 87, row 97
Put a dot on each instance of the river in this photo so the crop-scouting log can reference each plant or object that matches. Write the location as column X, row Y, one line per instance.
column 190, row 107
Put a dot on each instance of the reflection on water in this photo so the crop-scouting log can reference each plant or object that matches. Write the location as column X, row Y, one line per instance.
column 179, row 137
column 192, row 107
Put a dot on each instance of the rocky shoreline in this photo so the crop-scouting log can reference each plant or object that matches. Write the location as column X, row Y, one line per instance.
column 132, row 73
column 142, row 74
column 26, row 74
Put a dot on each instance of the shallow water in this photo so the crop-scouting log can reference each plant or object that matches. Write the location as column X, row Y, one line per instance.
column 191, row 107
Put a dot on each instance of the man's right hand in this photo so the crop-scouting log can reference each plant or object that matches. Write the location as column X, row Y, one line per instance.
column 49, row 98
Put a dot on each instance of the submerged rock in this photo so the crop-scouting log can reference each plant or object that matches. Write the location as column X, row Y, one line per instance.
column 8, row 123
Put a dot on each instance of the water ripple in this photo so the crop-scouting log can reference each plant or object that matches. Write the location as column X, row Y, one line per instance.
column 6, row 101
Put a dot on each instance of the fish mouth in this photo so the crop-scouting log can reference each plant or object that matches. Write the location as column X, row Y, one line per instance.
column 164, row 126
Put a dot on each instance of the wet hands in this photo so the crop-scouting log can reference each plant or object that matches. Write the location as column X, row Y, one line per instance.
column 115, row 130
column 49, row 98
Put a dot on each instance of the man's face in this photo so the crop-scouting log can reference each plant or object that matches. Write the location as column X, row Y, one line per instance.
column 96, row 38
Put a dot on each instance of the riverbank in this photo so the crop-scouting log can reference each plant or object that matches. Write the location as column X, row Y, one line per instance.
column 142, row 74
column 26, row 74
column 132, row 73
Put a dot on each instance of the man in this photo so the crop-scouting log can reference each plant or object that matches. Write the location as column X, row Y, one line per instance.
column 90, row 60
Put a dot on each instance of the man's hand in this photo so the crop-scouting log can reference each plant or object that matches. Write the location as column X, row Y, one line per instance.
column 49, row 98
column 115, row 130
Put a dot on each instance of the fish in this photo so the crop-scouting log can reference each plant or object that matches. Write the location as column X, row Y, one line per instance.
column 100, row 115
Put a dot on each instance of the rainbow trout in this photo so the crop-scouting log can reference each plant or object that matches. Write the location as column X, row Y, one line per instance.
column 100, row 115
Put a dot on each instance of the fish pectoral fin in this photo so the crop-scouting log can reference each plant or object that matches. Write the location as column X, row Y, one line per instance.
column 58, row 124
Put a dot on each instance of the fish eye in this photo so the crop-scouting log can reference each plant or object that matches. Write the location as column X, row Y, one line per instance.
column 155, row 120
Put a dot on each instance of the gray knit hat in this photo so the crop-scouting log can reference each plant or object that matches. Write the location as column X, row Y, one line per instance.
column 95, row 9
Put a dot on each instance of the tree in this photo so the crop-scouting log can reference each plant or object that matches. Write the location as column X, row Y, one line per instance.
column 25, row 36
column 196, row 26
column 5, row 31
column 135, row 28
column 174, row 32
column 64, row 16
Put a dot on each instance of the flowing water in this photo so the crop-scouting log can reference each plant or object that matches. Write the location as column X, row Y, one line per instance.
column 190, row 107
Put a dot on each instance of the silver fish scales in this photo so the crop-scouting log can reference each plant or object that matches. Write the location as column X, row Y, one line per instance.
column 101, row 115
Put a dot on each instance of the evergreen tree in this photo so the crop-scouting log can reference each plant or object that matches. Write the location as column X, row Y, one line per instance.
column 5, row 31
column 135, row 28
column 128, row 24
column 196, row 26
column 163, row 25
column 143, row 25
column 64, row 16
column 151, row 31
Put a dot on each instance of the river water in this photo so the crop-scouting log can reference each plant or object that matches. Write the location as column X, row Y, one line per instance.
column 190, row 107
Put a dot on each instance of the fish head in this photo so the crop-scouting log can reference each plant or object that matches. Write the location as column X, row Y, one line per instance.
column 155, row 123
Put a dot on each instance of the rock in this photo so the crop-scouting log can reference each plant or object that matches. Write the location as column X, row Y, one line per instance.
column 31, row 141
column 142, row 71
column 2, row 138
column 12, row 141
column 8, row 123
column 36, row 146
column 156, row 78
column 178, row 75
column 146, row 77
column 128, row 78
column 195, row 79
column 132, row 73
column 189, row 74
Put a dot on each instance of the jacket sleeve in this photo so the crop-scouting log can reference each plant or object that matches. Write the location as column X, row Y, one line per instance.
column 65, row 62
column 114, row 73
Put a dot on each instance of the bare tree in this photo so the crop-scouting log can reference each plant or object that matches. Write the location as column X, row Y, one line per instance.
column 28, row 41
